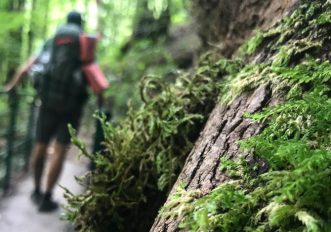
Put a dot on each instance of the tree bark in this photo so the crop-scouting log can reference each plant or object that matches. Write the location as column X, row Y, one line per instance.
column 226, row 24
column 227, row 125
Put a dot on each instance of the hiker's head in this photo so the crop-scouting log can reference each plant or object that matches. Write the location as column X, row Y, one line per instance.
column 75, row 18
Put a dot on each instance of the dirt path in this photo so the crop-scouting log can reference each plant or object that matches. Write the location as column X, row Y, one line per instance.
column 18, row 213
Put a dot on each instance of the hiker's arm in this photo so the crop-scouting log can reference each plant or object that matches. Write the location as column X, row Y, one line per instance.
column 20, row 73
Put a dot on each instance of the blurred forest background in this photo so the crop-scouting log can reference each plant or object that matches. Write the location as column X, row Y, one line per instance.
column 142, row 41
column 138, row 38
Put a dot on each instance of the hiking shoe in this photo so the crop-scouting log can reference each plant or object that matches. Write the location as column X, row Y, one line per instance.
column 48, row 205
column 36, row 197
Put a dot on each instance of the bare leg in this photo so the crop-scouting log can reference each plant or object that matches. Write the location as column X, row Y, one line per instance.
column 38, row 162
column 55, row 168
column 56, row 164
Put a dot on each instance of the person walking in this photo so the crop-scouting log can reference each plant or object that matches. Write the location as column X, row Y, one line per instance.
column 63, row 93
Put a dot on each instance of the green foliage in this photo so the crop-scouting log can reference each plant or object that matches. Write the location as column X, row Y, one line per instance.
column 293, row 194
column 227, row 198
column 9, row 43
column 145, row 58
column 125, row 21
column 15, row 19
column 250, row 46
column 145, row 152
column 248, row 78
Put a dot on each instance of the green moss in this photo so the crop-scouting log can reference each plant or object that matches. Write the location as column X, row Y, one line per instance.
column 249, row 47
column 146, row 151
column 324, row 18
column 294, row 50
column 293, row 195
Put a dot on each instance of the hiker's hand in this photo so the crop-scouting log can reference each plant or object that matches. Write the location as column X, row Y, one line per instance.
column 19, row 74
column 9, row 87
column 15, row 80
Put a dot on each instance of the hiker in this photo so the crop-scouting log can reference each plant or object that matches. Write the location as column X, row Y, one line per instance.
column 63, row 93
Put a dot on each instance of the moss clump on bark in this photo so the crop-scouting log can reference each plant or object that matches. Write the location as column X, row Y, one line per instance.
column 293, row 194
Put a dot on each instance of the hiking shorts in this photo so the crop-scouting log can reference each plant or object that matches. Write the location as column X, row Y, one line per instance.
column 53, row 124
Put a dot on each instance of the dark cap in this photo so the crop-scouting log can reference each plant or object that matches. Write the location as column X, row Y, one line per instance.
column 74, row 17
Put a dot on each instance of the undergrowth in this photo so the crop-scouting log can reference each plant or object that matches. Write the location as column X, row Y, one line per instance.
column 145, row 152
column 295, row 146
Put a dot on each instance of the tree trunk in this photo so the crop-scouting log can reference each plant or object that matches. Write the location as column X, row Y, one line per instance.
column 226, row 24
column 226, row 125
column 15, row 39
column 147, row 26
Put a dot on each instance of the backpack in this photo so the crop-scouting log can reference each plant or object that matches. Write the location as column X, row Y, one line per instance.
column 64, row 87
column 38, row 70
